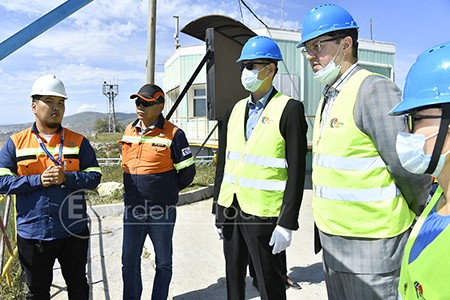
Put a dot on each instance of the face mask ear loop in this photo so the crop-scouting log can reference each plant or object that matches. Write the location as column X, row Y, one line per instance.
column 343, row 54
column 440, row 140
column 263, row 69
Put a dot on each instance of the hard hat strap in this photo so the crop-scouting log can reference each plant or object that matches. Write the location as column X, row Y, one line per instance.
column 440, row 140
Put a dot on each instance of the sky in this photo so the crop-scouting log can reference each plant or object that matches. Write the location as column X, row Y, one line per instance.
column 107, row 41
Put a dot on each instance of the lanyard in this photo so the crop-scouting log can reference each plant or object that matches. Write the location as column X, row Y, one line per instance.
column 49, row 155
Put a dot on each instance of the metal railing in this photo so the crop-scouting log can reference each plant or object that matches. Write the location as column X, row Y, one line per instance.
column 106, row 162
column 204, row 160
column 199, row 160
column 8, row 250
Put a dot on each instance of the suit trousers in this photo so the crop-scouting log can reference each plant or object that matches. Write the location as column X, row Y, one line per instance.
column 248, row 236
column 283, row 258
column 354, row 286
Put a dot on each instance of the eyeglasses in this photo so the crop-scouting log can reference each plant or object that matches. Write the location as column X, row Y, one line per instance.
column 144, row 103
column 316, row 48
column 409, row 120
column 250, row 65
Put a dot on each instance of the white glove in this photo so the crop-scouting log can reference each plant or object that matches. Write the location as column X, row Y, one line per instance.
column 219, row 233
column 218, row 230
column 280, row 239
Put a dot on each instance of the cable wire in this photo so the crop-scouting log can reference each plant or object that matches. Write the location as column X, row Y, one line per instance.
column 240, row 9
column 270, row 35
column 251, row 11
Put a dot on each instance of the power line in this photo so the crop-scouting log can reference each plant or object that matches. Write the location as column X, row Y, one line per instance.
column 270, row 35
column 251, row 11
column 240, row 9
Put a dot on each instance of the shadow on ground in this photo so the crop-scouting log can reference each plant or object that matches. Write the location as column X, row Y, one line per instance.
column 312, row 274
column 217, row 291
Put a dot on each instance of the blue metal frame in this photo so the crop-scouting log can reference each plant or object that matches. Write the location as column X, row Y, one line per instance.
column 39, row 26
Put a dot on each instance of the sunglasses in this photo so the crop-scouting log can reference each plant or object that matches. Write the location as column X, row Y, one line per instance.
column 144, row 103
column 409, row 120
column 251, row 65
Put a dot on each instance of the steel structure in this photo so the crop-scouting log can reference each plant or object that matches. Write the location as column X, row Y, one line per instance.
column 111, row 91
column 39, row 26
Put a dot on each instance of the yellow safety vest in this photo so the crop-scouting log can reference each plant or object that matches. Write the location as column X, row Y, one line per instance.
column 354, row 194
column 256, row 169
column 427, row 276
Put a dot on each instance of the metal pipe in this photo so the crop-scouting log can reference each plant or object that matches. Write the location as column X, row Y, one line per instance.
column 39, row 26
column 188, row 84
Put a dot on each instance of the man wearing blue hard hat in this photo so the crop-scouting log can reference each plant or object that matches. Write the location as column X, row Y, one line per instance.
column 423, row 147
column 257, row 196
column 364, row 202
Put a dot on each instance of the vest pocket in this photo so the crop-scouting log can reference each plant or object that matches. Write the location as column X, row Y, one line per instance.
column 71, row 165
column 27, row 165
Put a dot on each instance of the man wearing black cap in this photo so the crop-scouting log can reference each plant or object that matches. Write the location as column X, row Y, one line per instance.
column 157, row 164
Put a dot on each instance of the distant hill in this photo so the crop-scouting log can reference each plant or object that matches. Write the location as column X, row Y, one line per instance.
column 82, row 122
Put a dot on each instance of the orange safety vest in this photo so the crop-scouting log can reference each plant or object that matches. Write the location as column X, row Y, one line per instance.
column 150, row 153
column 31, row 158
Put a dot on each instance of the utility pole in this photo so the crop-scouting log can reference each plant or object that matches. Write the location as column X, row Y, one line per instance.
column 151, row 41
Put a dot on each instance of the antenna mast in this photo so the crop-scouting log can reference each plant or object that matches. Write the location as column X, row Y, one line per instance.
column 177, row 31
column 111, row 91
column 371, row 36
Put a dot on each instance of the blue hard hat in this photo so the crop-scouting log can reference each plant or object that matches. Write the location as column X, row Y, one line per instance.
column 323, row 19
column 260, row 47
column 428, row 81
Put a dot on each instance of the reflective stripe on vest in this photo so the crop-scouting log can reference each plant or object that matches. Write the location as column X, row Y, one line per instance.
column 93, row 169
column 256, row 169
column 150, row 153
column 348, row 163
column 354, row 164
column 6, row 172
column 426, row 277
column 357, row 195
column 32, row 159
column 53, row 150
column 354, row 194
column 258, row 160
column 146, row 139
column 267, row 185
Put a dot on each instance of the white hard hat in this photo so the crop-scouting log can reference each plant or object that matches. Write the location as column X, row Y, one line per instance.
column 48, row 85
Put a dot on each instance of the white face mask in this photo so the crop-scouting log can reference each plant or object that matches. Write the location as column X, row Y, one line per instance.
column 250, row 81
column 409, row 148
column 328, row 74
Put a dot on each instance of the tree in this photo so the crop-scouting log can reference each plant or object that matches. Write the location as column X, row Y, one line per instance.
column 102, row 125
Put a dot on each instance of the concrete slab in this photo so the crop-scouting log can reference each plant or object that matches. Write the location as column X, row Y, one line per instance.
column 199, row 268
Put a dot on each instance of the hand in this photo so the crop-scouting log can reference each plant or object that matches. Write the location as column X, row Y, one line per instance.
column 53, row 175
column 219, row 233
column 218, row 230
column 280, row 239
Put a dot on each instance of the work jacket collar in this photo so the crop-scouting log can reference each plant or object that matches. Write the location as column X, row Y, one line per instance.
column 35, row 130
column 159, row 124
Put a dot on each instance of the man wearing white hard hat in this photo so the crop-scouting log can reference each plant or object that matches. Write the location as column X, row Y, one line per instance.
column 49, row 168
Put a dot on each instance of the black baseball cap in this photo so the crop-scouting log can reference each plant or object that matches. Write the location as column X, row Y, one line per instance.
column 149, row 92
